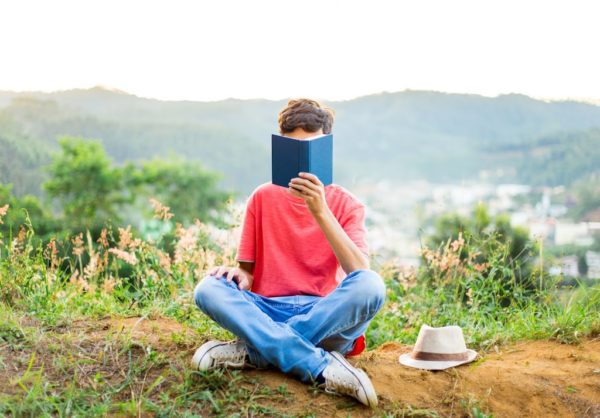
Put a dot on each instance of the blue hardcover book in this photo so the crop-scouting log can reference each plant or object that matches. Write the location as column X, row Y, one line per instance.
column 291, row 156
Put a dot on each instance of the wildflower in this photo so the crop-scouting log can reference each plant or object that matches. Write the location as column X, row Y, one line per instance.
column 429, row 255
column 150, row 276
column 3, row 212
column 164, row 260
column 79, row 282
column 78, row 245
column 21, row 235
column 124, row 255
column 103, row 240
column 204, row 259
column 458, row 243
column 51, row 252
column 17, row 243
column 125, row 237
column 480, row 267
column 160, row 211
column 187, row 242
column 92, row 268
column 450, row 260
column 407, row 277
column 135, row 243
column 109, row 285
column 104, row 261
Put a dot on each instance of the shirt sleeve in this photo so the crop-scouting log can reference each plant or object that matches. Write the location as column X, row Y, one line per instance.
column 353, row 222
column 247, row 248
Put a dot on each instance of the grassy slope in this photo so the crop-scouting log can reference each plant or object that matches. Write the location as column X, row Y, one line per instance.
column 139, row 366
column 60, row 354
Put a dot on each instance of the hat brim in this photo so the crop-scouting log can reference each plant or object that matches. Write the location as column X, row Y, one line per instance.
column 407, row 360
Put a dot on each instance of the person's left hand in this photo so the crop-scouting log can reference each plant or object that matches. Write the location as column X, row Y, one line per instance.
column 309, row 187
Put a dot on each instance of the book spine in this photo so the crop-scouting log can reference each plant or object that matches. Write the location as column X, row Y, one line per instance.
column 304, row 157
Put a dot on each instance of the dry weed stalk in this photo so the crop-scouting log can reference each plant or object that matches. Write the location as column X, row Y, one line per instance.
column 3, row 212
column 160, row 211
column 51, row 254
column 77, row 245
column 447, row 263
column 124, row 255
column 103, row 240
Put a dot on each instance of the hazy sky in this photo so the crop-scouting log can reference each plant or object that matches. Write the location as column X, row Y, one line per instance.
column 209, row 50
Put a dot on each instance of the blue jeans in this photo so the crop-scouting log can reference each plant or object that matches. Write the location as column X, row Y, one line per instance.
column 294, row 333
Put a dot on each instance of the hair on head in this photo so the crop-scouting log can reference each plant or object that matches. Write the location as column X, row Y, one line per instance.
column 307, row 114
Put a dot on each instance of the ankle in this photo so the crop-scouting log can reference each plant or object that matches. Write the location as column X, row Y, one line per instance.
column 320, row 379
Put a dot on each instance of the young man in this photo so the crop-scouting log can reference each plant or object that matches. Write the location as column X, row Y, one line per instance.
column 303, row 294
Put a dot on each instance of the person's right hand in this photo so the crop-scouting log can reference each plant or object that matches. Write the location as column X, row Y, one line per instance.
column 240, row 276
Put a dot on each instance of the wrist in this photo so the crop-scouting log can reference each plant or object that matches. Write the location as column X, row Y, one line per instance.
column 323, row 215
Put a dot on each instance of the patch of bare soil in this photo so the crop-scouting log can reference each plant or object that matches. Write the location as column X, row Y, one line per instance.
column 526, row 379
column 534, row 378
column 530, row 378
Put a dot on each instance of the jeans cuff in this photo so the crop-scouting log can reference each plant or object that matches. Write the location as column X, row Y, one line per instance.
column 318, row 370
column 255, row 358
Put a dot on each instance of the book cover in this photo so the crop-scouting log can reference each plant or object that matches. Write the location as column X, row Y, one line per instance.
column 290, row 156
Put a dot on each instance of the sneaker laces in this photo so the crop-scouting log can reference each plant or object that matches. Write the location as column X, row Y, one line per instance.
column 233, row 354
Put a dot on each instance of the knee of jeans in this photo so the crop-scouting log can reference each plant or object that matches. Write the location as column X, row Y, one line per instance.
column 207, row 291
column 370, row 288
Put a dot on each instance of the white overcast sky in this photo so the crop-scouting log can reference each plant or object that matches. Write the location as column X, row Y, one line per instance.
column 210, row 50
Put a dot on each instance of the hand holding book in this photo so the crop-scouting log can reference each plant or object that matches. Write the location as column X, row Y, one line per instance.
column 308, row 187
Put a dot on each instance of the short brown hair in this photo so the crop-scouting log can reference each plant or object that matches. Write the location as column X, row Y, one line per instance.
column 307, row 114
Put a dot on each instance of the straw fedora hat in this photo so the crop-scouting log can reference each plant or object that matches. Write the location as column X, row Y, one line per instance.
column 438, row 349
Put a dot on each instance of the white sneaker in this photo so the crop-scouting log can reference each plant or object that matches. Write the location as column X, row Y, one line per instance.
column 216, row 354
column 341, row 377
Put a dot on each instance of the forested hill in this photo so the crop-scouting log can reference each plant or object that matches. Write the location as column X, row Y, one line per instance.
column 398, row 136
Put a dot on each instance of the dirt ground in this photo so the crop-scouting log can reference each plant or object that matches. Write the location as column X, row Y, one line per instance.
column 528, row 379
column 525, row 379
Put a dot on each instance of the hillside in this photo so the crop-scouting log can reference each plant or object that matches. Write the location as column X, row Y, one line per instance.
column 398, row 136
column 528, row 379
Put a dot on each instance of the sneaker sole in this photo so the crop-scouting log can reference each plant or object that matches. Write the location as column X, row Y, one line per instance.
column 362, row 377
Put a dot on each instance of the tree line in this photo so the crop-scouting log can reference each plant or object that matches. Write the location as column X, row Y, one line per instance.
column 85, row 190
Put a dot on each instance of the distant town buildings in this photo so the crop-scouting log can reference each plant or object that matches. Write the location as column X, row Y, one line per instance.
column 592, row 260
column 395, row 215
column 572, row 233
column 566, row 266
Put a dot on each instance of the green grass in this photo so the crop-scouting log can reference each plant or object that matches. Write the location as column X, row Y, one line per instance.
column 53, row 365
column 490, row 308
column 76, row 371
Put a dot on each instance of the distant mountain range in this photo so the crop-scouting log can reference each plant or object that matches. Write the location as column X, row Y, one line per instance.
column 396, row 136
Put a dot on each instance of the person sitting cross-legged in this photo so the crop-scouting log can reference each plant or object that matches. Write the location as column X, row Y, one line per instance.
column 303, row 294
